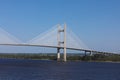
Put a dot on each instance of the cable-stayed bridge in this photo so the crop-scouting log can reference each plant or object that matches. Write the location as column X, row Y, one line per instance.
column 59, row 37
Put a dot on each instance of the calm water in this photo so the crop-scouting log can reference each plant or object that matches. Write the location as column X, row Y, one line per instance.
column 12, row 69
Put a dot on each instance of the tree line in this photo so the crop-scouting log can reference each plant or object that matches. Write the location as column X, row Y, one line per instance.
column 70, row 57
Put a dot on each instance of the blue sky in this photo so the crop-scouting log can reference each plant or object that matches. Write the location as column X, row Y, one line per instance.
column 96, row 22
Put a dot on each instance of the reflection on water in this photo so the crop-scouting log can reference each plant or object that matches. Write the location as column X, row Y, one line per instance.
column 13, row 69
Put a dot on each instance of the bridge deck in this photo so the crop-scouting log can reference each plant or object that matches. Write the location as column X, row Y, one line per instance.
column 34, row 45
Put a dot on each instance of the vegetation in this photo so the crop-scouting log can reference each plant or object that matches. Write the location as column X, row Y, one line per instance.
column 70, row 57
column 97, row 57
column 28, row 56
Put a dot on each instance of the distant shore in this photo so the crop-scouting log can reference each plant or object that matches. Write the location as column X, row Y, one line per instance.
column 114, row 58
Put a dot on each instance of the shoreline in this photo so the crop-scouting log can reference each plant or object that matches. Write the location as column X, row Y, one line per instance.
column 62, row 61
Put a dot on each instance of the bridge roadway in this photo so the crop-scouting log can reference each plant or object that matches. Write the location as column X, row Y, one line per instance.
column 34, row 45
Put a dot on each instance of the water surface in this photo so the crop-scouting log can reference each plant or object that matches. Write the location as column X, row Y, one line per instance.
column 15, row 69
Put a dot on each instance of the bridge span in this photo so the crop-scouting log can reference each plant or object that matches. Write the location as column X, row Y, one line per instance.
column 69, row 48
column 59, row 38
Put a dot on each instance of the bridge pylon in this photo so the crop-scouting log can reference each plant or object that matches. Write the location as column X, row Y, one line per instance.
column 58, row 39
column 60, row 42
column 65, row 50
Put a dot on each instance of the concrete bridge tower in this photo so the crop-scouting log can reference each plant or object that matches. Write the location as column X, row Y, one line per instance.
column 60, row 42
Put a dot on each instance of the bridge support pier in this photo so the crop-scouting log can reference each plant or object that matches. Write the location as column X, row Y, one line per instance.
column 85, row 53
column 88, row 52
column 91, row 53
column 58, row 54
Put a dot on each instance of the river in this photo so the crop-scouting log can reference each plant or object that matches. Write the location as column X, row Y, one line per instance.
column 18, row 69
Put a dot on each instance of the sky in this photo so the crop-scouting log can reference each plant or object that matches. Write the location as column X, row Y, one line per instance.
column 96, row 22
